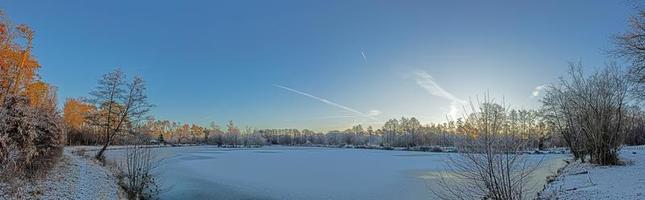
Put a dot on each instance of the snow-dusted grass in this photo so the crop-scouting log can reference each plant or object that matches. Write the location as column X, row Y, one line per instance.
column 73, row 177
column 207, row 172
column 586, row 181
column 95, row 181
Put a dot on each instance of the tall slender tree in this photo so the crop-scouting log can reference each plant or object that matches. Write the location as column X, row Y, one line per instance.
column 120, row 104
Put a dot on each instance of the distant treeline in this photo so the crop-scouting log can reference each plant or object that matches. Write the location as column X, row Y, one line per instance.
column 404, row 132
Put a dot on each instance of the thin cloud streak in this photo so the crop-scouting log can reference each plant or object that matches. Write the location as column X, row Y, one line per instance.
column 328, row 102
column 425, row 81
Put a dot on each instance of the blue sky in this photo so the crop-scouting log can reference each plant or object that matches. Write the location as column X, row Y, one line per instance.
column 318, row 64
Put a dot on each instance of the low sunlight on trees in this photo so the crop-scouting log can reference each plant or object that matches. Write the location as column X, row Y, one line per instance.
column 31, row 136
column 18, row 68
column 75, row 116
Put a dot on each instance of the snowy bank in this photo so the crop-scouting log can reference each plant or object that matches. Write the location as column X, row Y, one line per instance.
column 74, row 177
column 586, row 181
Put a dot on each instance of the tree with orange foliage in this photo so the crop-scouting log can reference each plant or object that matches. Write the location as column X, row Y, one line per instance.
column 41, row 94
column 75, row 113
column 30, row 133
column 182, row 133
column 18, row 68
column 197, row 132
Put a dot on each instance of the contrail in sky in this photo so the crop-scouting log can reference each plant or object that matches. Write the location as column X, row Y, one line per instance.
column 328, row 102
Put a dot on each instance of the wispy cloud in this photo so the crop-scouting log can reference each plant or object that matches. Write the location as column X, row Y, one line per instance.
column 364, row 55
column 371, row 115
column 425, row 81
column 536, row 92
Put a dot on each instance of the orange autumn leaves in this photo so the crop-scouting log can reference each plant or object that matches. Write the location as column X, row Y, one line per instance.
column 19, row 68
column 75, row 113
column 40, row 94
column 31, row 138
column 19, row 75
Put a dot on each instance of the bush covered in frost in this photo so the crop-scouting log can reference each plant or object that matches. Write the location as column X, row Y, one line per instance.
column 31, row 138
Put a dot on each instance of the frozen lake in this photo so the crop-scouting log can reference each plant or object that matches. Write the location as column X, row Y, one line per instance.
column 306, row 173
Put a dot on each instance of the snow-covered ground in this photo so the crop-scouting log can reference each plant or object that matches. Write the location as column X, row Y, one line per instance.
column 206, row 172
column 74, row 177
column 586, row 181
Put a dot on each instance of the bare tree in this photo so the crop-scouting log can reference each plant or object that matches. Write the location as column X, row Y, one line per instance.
column 589, row 111
column 560, row 113
column 232, row 134
column 120, row 104
column 631, row 46
column 488, row 165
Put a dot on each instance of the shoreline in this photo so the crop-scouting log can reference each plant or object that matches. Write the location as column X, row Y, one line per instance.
column 579, row 180
column 429, row 149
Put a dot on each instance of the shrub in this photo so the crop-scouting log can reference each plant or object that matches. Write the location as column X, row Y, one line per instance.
column 436, row 149
column 590, row 112
column 49, row 139
column 30, row 138
column 135, row 173
column 17, row 134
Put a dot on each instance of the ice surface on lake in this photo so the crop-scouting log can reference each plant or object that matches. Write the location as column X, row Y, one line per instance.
column 305, row 173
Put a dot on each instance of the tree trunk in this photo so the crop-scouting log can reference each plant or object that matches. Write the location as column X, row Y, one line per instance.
column 100, row 155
